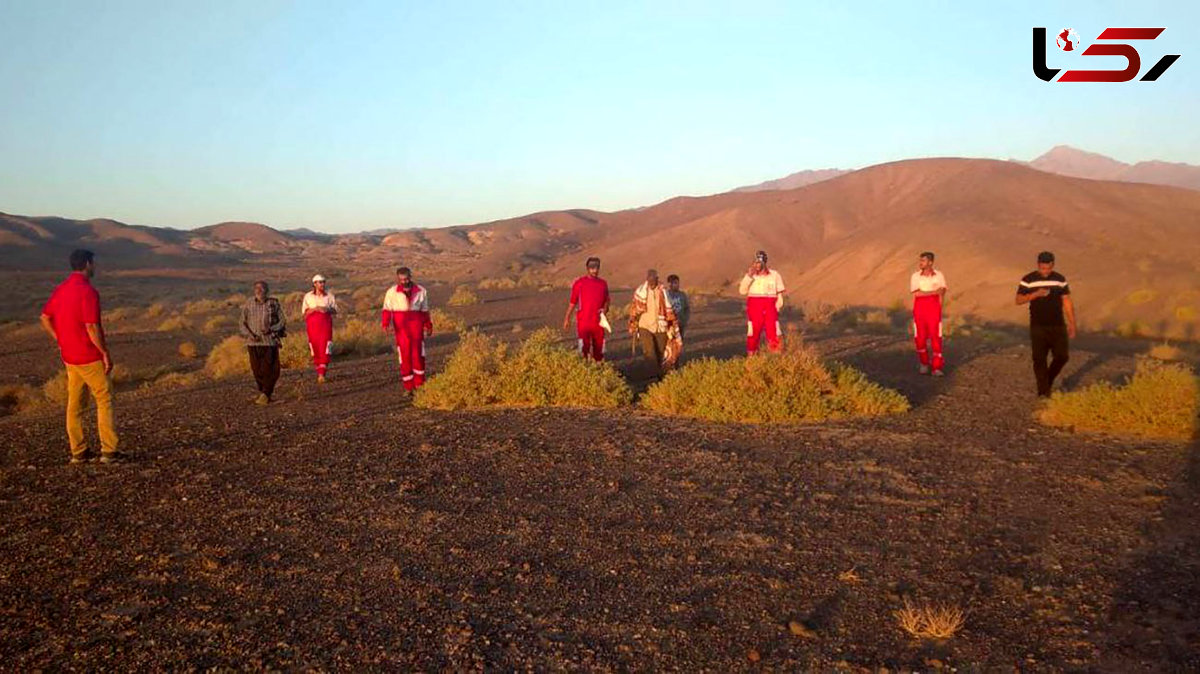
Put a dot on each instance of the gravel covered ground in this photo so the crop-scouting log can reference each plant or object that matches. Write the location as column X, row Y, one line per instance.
column 340, row 528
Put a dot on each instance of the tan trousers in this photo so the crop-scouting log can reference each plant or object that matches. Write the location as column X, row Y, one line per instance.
column 93, row 377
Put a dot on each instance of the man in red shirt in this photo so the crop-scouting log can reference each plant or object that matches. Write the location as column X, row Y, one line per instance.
column 72, row 319
column 589, row 302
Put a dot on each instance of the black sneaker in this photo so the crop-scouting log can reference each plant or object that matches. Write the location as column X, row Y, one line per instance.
column 113, row 457
column 85, row 456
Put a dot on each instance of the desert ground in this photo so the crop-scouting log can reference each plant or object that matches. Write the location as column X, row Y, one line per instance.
column 342, row 528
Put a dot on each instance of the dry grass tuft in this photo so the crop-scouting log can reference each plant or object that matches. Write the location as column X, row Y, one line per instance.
column 1166, row 352
column 174, row 381
column 483, row 372
column 155, row 310
column 228, row 358
column 1159, row 401
column 804, row 389
column 463, row 296
column 218, row 324
column 849, row 576
column 174, row 324
column 15, row 398
column 188, row 350
column 503, row 283
column 202, row 307
column 930, row 621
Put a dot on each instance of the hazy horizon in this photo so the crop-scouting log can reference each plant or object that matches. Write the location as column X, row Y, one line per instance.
column 385, row 115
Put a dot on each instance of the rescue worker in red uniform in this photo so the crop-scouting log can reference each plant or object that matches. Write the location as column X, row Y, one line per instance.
column 928, row 288
column 589, row 302
column 319, row 308
column 406, row 313
column 763, row 288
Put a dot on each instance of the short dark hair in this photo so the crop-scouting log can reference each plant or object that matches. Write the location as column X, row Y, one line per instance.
column 81, row 258
column 651, row 273
column 928, row 255
column 403, row 270
column 264, row 284
column 1045, row 257
column 592, row 262
column 672, row 277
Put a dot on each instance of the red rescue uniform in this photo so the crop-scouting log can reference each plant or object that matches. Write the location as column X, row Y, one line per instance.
column 406, row 311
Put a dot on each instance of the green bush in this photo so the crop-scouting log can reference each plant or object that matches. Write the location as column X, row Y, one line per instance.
column 1159, row 401
column 539, row 373
column 793, row 386
column 463, row 295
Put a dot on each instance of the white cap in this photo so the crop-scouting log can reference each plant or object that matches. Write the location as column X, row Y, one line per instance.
column 318, row 277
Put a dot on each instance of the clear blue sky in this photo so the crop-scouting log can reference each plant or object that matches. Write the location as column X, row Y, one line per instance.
column 388, row 113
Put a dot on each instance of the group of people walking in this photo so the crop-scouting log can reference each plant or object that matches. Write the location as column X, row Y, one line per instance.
column 657, row 320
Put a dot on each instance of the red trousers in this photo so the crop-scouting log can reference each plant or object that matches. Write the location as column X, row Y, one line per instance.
column 320, row 339
column 591, row 341
column 410, row 351
column 927, row 328
column 761, row 317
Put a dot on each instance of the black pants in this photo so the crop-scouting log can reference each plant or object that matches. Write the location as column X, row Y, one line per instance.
column 1047, row 339
column 264, row 363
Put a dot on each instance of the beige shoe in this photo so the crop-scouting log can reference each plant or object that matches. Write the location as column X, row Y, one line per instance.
column 262, row 399
column 320, row 379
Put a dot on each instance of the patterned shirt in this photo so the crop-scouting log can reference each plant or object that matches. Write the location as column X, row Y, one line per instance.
column 263, row 323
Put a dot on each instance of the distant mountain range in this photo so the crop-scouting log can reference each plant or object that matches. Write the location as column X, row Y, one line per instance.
column 1132, row 250
column 1062, row 159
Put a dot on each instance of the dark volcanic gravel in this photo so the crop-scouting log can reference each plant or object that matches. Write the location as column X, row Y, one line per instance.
column 339, row 528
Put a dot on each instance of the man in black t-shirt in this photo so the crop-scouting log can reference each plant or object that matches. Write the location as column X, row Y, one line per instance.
column 1051, row 319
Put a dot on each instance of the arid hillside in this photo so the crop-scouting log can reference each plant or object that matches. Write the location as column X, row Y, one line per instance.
column 1130, row 249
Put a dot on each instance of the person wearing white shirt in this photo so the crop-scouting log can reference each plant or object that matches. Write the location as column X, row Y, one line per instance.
column 763, row 288
column 928, row 288
column 319, row 308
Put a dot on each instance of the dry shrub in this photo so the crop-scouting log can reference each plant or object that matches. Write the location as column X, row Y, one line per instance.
column 1166, row 352
column 188, row 350
column 368, row 298
column 503, row 283
column 817, row 313
column 293, row 306
column 517, row 327
column 174, row 324
column 1159, row 401
column 228, row 358
column 155, row 310
column 1132, row 330
column 55, row 388
column 218, row 324
column 463, row 296
column 361, row 338
column 174, row 380
column 444, row 321
column 930, row 621
column 295, row 353
column 202, row 307
column 483, row 372
column 236, row 300
column 121, row 314
column 16, row 398
column 792, row 386
column 699, row 300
